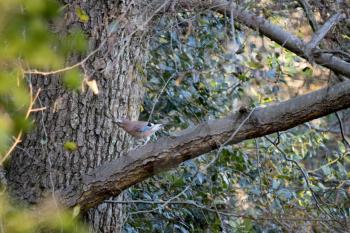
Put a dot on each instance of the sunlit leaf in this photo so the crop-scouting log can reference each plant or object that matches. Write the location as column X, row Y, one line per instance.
column 83, row 17
column 70, row 146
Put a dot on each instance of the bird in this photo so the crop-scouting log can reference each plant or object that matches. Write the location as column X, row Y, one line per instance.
column 139, row 129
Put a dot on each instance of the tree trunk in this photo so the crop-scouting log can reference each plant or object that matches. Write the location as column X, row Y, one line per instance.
column 41, row 164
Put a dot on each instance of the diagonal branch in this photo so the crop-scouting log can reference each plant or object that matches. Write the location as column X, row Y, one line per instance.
column 168, row 152
column 309, row 14
column 345, row 141
column 322, row 32
column 275, row 33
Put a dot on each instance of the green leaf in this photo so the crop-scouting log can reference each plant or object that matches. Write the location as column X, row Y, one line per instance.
column 307, row 72
column 70, row 146
column 163, row 40
column 83, row 17
column 72, row 79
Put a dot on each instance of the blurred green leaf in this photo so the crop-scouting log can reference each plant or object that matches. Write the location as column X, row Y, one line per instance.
column 307, row 72
column 72, row 79
column 70, row 146
column 83, row 17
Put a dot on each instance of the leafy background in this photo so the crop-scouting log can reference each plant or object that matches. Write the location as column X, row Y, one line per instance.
column 208, row 69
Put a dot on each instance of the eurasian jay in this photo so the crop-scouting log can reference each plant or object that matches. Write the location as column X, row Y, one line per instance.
column 139, row 129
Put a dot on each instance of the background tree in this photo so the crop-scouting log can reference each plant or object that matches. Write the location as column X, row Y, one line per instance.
column 197, row 63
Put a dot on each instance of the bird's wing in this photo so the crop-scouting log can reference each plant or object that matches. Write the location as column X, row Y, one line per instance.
column 141, row 127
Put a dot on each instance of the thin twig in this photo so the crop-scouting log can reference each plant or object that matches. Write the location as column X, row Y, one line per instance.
column 326, row 165
column 221, row 222
column 324, row 130
column 160, row 93
column 194, row 203
column 309, row 14
column 305, row 176
column 141, row 27
column 159, row 207
column 229, row 139
column 81, row 63
column 341, row 52
column 30, row 109
column 345, row 141
column 14, row 144
column 258, row 161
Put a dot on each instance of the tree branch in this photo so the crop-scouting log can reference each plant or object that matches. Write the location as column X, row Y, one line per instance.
column 321, row 33
column 168, row 152
column 275, row 33
column 309, row 14
column 345, row 141
column 210, row 209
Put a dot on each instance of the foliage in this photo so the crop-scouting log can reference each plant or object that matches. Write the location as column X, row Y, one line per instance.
column 45, row 218
column 258, row 185
column 25, row 43
column 201, row 71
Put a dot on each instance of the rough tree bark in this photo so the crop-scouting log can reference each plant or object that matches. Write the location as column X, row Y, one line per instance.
column 41, row 164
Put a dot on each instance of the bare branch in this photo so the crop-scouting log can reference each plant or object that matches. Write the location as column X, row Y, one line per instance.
column 168, row 152
column 81, row 63
column 335, row 51
column 275, row 33
column 321, row 33
column 210, row 209
column 18, row 138
column 309, row 14
column 160, row 93
column 305, row 175
column 345, row 141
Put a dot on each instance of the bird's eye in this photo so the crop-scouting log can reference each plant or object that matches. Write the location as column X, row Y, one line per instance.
column 149, row 124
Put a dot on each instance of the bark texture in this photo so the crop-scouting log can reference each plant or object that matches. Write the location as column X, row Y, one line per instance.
column 41, row 164
column 113, row 177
